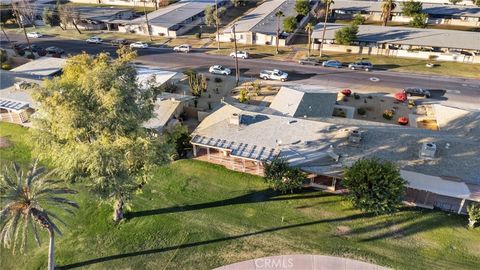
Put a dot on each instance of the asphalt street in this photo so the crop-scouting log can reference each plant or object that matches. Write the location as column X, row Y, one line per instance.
column 456, row 91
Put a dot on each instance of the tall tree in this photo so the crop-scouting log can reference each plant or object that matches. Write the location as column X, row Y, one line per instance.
column 279, row 14
column 5, row 16
column 68, row 15
column 387, row 7
column 346, row 35
column 214, row 17
column 473, row 211
column 20, row 20
column 302, row 7
column 282, row 177
column 411, row 8
column 47, row 16
column 290, row 24
column 30, row 199
column 374, row 186
column 419, row 20
column 90, row 126
column 327, row 4
column 477, row 2
column 237, row 3
column 309, row 28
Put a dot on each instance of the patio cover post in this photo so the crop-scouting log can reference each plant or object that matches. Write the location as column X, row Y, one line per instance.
column 194, row 150
column 461, row 206
column 208, row 153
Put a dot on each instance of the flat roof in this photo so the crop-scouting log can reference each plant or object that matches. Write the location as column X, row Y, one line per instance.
column 407, row 36
column 176, row 13
column 42, row 67
column 99, row 13
column 149, row 74
column 262, row 19
column 429, row 8
column 324, row 146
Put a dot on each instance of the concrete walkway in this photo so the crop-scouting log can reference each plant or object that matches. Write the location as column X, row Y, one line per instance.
column 301, row 262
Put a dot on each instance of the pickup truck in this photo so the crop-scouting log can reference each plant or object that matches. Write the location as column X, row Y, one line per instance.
column 275, row 74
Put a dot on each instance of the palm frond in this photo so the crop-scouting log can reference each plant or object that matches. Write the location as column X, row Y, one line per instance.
column 61, row 200
column 34, row 229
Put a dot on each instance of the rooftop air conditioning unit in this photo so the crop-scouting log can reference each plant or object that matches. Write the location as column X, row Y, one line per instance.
column 428, row 150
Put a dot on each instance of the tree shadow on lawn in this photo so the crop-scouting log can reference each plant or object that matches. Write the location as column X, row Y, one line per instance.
column 212, row 241
column 266, row 195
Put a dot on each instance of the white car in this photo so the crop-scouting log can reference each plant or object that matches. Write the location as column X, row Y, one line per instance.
column 217, row 69
column 182, row 48
column 139, row 45
column 275, row 74
column 34, row 35
column 239, row 54
column 95, row 40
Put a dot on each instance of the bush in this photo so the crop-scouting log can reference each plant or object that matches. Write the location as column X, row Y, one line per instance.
column 282, row 177
column 346, row 35
column 358, row 19
column 6, row 66
column 388, row 114
column 361, row 111
column 217, row 80
column 290, row 24
column 198, row 35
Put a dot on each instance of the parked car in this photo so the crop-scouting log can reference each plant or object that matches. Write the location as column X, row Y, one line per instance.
column 139, row 45
column 309, row 61
column 365, row 65
column 415, row 91
column 239, row 54
column 54, row 50
column 34, row 35
column 95, row 40
column 35, row 48
column 217, row 69
column 182, row 48
column 119, row 42
column 274, row 75
column 332, row 63
column 20, row 46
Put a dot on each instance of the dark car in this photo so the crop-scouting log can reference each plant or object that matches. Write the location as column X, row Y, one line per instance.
column 365, row 65
column 332, row 63
column 415, row 91
column 54, row 50
column 309, row 61
column 35, row 48
column 119, row 42
column 20, row 47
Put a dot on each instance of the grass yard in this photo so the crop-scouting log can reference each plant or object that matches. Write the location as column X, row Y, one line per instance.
column 196, row 215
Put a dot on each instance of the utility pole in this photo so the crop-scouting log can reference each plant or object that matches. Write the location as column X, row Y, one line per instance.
column 327, row 7
column 146, row 19
column 216, row 22
column 237, row 71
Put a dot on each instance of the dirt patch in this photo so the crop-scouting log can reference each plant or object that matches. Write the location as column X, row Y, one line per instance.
column 342, row 230
column 4, row 142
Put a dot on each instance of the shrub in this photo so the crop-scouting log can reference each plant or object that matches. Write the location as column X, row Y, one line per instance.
column 361, row 111
column 217, row 80
column 243, row 96
column 388, row 114
column 6, row 66
column 473, row 211
column 282, row 177
column 346, row 35
column 358, row 19
column 198, row 35
column 289, row 24
column 356, row 96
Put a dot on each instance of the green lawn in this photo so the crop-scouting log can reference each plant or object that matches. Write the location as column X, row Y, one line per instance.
column 196, row 215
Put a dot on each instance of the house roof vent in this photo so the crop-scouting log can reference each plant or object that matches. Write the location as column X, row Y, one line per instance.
column 235, row 119
column 428, row 150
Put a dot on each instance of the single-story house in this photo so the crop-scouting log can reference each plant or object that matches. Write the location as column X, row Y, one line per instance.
column 42, row 67
column 437, row 13
column 260, row 25
column 449, row 45
column 173, row 20
column 99, row 18
column 133, row 3
column 441, row 169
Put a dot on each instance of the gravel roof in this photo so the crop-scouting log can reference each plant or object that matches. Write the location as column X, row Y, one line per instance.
column 429, row 8
column 309, row 143
column 407, row 36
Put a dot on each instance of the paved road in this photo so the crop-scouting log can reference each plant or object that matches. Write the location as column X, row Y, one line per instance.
column 459, row 91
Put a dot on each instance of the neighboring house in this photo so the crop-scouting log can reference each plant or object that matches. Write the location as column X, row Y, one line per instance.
column 133, row 3
column 173, row 20
column 441, row 169
column 448, row 45
column 260, row 25
column 99, row 18
column 16, row 104
column 437, row 13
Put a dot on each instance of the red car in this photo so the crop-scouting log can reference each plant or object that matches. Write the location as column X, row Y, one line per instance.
column 346, row 92
column 400, row 96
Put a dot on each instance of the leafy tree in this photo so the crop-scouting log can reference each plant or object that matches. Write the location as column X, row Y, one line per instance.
column 473, row 211
column 237, row 3
column 411, row 8
column 211, row 18
column 358, row 20
column 419, row 20
column 374, row 185
column 47, row 16
column 30, row 199
column 279, row 14
column 68, row 15
column 454, row 2
column 346, row 35
column 178, row 137
column 387, row 7
column 90, row 126
column 302, row 7
column 5, row 15
column 328, row 4
column 290, row 24
column 477, row 2
column 282, row 177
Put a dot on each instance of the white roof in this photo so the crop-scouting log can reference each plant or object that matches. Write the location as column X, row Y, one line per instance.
column 436, row 184
column 43, row 66
column 163, row 111
column 146, row 74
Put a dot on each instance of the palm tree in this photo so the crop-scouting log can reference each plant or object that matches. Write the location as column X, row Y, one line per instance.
column 26, row 201
column 328, row 4
column 279, row 14
column 387, row 7
column 309, row 28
